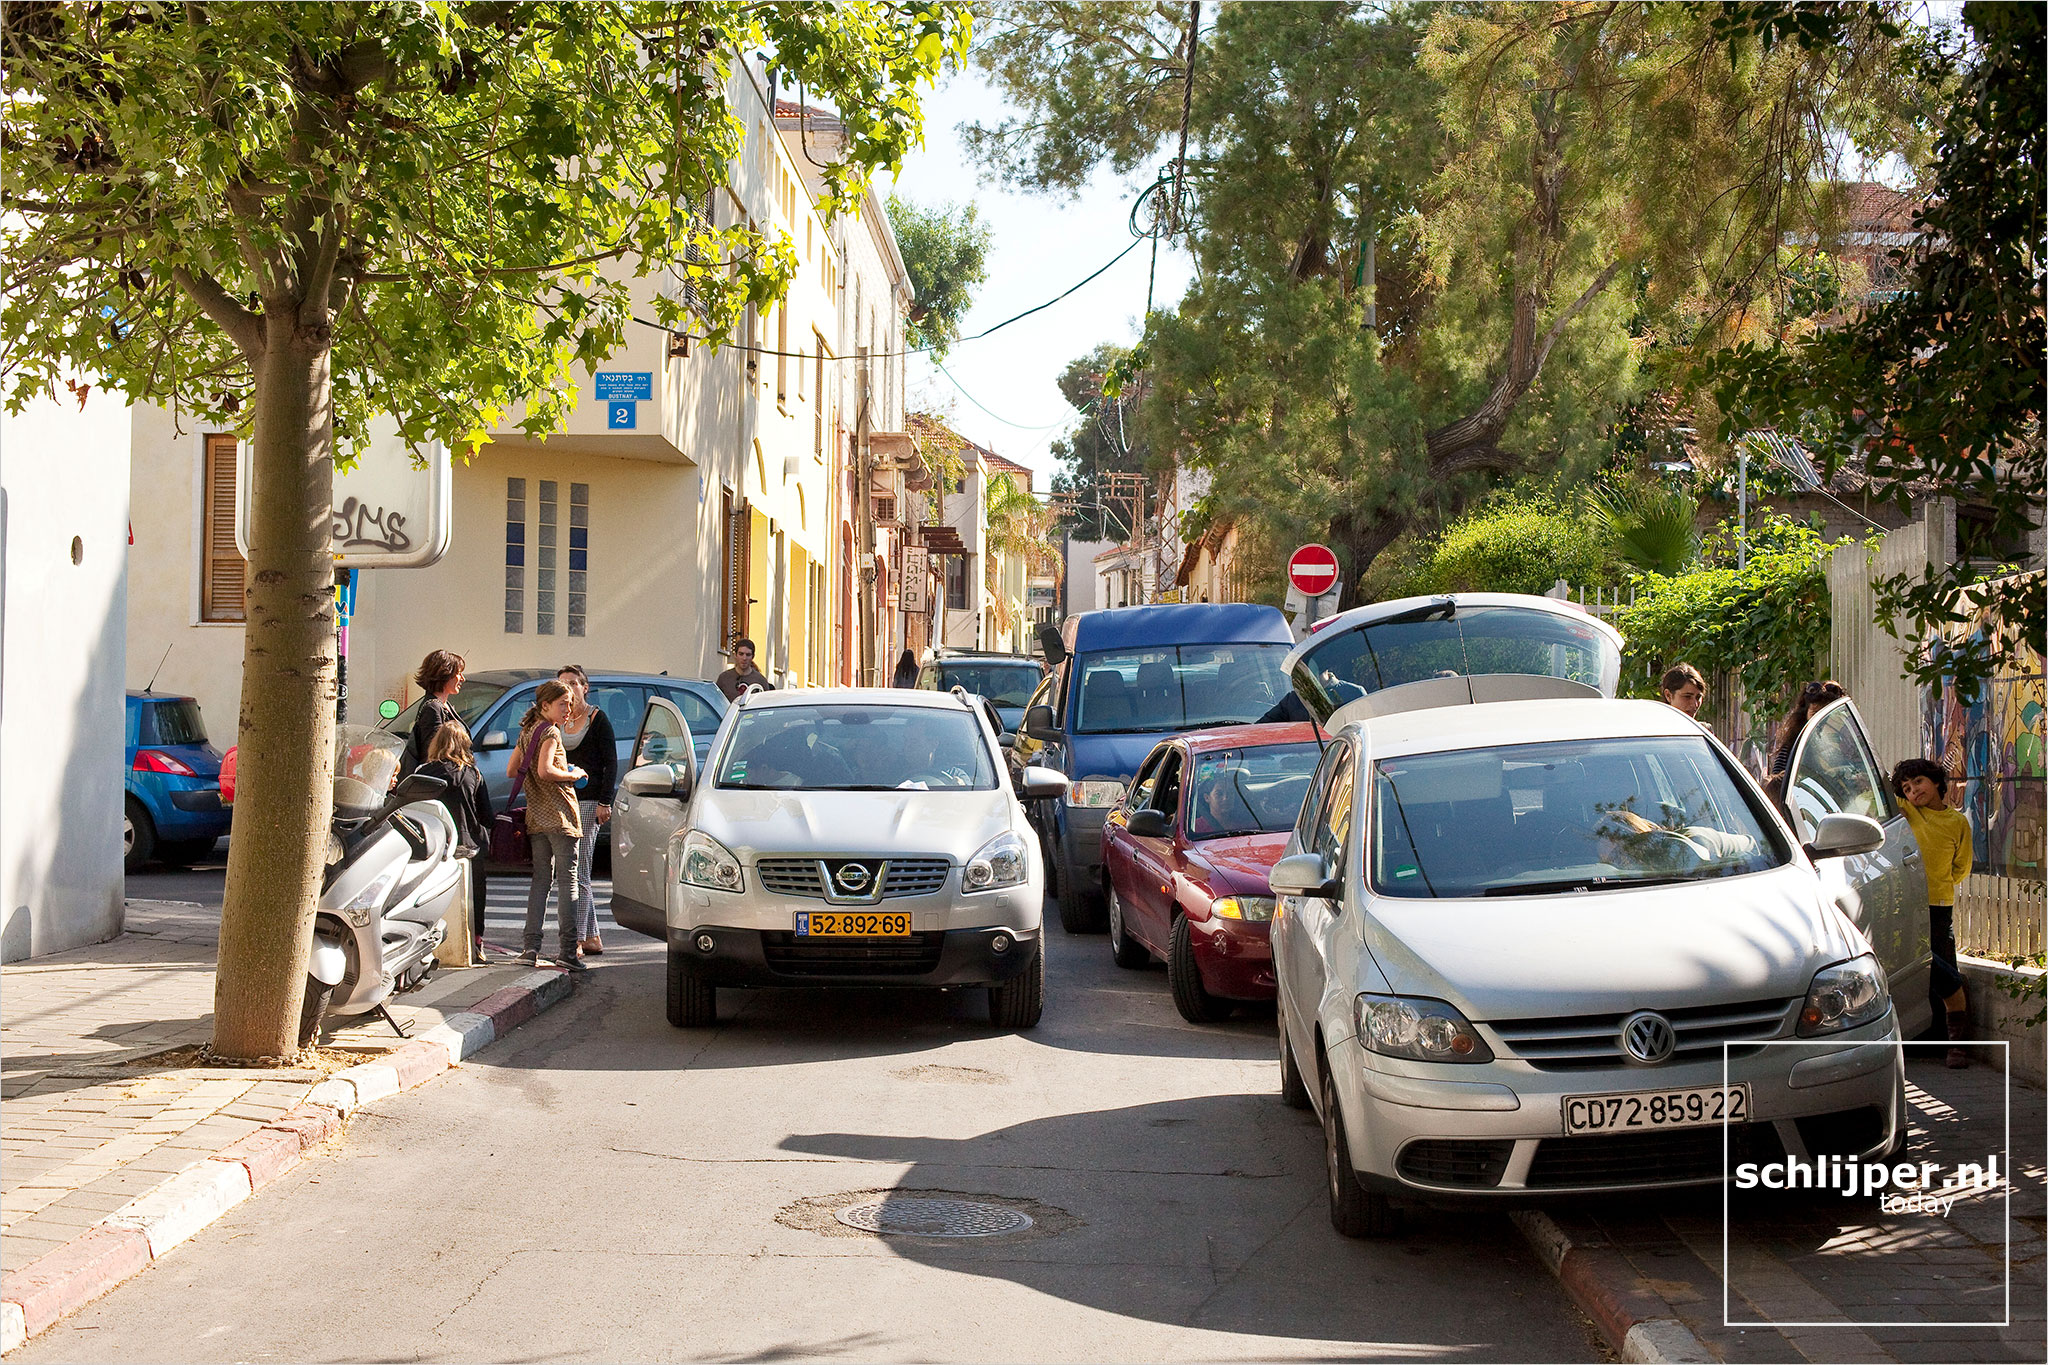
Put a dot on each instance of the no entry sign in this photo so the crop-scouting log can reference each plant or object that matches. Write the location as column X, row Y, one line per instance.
column 1312, row 570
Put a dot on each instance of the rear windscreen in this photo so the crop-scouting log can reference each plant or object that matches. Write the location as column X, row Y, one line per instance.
column 1460, row 642
column 173, row 722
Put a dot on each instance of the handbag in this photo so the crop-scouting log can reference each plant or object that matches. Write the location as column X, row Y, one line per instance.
column 509, row 843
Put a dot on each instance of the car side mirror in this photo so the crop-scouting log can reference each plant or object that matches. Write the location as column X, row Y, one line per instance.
column 1041, row 784
column 496, row 739
column 1149, row 824
column 1304, row 874
column 1841, row 836
column 1039, row 724
column 658, row 779
column 1007, row 741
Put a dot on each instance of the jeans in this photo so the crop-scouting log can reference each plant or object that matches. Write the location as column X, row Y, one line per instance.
column 1945, row 975
column 479, row 892
column 586, row 848
column 554, row 860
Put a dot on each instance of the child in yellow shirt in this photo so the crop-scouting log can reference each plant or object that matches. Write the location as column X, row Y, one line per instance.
column 1945, row 848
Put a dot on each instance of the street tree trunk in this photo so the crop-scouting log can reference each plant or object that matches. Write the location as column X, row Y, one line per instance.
column 283, row 801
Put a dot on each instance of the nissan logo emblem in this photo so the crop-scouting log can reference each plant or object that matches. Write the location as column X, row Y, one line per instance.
column 1647, row 1037
column 852, row 877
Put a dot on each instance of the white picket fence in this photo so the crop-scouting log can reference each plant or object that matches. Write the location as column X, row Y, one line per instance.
column 1999, row 916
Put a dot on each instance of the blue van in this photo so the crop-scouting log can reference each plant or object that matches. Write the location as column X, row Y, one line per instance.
column 1119, row 681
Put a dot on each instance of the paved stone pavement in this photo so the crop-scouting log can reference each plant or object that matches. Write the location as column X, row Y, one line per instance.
column 1823, row 1277
column 86, row 1124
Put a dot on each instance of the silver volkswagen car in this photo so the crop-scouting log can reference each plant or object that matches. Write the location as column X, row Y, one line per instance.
column 838, row 837
column 1552, row 943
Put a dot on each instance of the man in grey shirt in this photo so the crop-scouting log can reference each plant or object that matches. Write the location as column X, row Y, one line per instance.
column 742, row 675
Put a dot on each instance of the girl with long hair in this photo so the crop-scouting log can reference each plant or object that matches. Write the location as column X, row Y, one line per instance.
column 553, row 823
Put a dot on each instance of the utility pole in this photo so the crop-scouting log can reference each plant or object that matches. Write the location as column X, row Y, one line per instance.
column 864, row 518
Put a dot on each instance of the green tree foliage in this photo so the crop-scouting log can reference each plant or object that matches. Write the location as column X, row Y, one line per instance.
column 292, row 217
column 1766, row 624
column 1519, row 543
column 1107, row 440
column 1648, row 526
column 945, row 248
column 1941, row 389
column 1549, row 191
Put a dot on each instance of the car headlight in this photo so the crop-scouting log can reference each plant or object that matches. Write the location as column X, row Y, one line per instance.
column 1099, row 793
column 1419, row 1030
column 1846, row 995
column 1001, row 862
column 1245, row 907
column 708, row 863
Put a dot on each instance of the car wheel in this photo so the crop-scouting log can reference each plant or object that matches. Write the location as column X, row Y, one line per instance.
column 1190, row 996
column 692, row 1001
column 1355, row 1211
column 1127, row 951
column 138, row 836
column 1019, row 1003
column 1293, row 1089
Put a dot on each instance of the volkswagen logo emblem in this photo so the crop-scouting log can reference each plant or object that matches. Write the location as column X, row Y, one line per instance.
column 1647, row 1037
column 852, row 878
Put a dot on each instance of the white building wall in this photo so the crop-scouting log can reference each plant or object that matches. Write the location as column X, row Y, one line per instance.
column 63, row 656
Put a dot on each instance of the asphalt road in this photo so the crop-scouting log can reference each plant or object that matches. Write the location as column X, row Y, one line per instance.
column 602, row 1186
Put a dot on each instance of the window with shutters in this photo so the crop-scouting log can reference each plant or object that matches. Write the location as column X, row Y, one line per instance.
column 222, row 570
column 737, row 529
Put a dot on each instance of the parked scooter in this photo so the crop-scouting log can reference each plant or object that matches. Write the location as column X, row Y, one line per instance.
column 392, row 876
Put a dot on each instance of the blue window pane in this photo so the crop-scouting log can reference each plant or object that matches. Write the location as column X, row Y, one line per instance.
column 515, row 533
column 579, row 537
column 577, row 559
column 515, row 554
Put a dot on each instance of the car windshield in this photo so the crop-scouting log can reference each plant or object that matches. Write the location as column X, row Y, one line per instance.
column 176, row 722
column 1531, row 819
column 1441, row 641
column 1183, row 687
column 1250, row 791
column 471, row 702
column 857, row 748
column 1003, row 684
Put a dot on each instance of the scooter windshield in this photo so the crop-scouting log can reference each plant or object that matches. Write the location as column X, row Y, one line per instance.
column 365, row 762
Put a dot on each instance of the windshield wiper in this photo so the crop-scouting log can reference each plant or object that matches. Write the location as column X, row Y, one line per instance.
column 1578, row 884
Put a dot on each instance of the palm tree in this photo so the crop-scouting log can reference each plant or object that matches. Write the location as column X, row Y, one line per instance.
column 1649, row 526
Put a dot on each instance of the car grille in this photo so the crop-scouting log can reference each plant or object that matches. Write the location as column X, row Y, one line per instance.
column 1594, row 1040
column 1472, row 1162
column 1685, row 1154
column 789, row 955
column 801, row 877
column 790, row 876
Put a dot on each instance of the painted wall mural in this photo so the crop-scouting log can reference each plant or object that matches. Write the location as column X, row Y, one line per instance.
column 1996, row 747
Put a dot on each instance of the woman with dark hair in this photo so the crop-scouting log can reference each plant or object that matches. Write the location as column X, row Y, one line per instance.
column 1805, row 702
column 1683, row 689
column 906, row 670
column 593, row 747
column 440, row 677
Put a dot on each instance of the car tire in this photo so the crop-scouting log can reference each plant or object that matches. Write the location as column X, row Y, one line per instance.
column 1355, row 1211
column 1127, row 951
column 1293, row 1089
column 1184, row 974
column 1019, row 1003
column 138, row 836
column 692, row 1000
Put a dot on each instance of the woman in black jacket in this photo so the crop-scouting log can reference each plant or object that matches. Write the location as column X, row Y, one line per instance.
column 440, row 677
column 450, row 758
column 594, row 747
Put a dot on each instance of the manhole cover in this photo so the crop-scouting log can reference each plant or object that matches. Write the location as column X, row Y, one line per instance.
column 935, row 1218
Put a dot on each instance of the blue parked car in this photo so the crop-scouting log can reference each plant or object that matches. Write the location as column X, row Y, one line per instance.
column 173, row 807
column 1123, row 680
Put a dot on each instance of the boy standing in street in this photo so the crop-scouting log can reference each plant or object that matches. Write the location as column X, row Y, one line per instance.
column 1945, row 848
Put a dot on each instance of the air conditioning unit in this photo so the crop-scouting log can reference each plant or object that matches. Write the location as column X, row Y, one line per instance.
column 885, row 509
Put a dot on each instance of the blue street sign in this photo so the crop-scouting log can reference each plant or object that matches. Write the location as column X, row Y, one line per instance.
column 627, row 384
column 621, row 416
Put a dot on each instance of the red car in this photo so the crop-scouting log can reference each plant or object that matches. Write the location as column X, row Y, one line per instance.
column 1187, row 854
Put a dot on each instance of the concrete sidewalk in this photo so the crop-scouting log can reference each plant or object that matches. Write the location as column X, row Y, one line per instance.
column 89, row 1123
column 1818, row 1276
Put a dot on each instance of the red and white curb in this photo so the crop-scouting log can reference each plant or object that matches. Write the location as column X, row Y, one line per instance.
column 1635, row 1319
column 125, row 1242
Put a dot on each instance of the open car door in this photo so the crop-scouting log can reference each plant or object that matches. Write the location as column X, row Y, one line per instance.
column 652, row 801
column 1833, row 771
